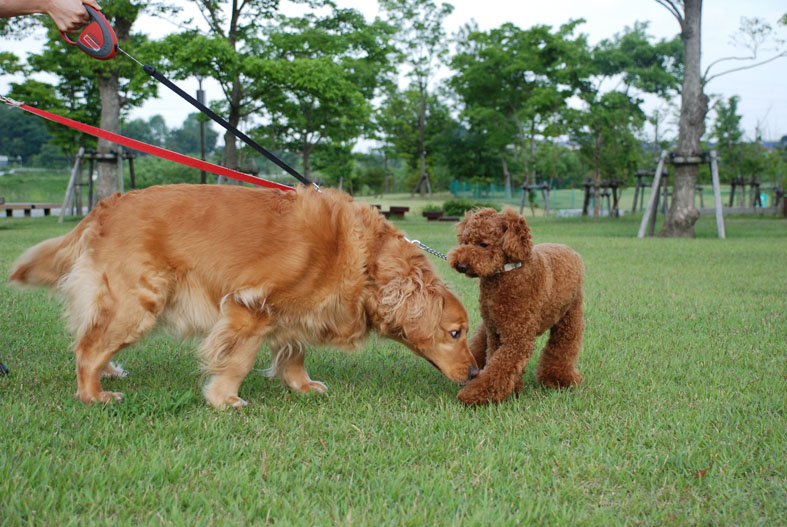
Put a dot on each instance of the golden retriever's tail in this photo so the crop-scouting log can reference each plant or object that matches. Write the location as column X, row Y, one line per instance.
column 46, row 263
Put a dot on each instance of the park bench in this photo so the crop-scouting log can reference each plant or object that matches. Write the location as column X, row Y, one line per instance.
column 395, row 212
column 28, row 208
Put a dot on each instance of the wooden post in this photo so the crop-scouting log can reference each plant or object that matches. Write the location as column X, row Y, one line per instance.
column 121, row 183
column 131, row 170
column 654, row 190
column 92, row 159
column 714, row 170
column 71, row 182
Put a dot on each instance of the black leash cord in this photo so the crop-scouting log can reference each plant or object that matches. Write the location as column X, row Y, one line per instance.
column 150, row 70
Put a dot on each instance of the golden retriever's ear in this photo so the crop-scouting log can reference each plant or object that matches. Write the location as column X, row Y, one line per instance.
column 517, row 244
column 412, row 309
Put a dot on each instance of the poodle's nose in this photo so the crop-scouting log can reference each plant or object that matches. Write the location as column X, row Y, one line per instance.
column 461, row 267
column 474, row 372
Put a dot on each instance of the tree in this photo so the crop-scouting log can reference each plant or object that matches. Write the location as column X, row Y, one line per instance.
column 21, row 135
column 153, row 131
column 728, row 134
column 223, row 53
column 402, row 113
column 321, row 73
column 682, row 214
column 606, row 128
column 187, row 138
column 424, row 45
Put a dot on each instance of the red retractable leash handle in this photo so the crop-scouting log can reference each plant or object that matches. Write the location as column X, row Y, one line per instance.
column 98, row 38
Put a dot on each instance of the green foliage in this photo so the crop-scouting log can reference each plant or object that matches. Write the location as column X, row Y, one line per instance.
column 457, row 207
column 21, row 134
column 149, row 170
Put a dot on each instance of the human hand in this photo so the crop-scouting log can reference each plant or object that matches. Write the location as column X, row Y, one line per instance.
column 70, row 15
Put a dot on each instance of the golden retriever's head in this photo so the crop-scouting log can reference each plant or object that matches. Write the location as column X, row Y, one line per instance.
column 416, row 308
column 488, row 240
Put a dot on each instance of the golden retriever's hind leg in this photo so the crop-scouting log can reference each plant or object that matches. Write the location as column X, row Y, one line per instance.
column 289, row 367
column 557, row 366
column 93, row 351
column 229, row 352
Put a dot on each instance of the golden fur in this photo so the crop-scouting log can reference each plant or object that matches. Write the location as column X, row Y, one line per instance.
column 242, row 266
column 519, row 303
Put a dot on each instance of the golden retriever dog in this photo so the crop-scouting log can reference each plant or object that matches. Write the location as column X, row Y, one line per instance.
column 242, row 266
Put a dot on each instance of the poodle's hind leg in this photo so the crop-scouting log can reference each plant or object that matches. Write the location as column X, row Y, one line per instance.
column 288, row 365
column 557, row 365
column 229, row 351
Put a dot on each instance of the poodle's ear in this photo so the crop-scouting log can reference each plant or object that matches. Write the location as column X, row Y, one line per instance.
column 517, row 244
column 460, row 227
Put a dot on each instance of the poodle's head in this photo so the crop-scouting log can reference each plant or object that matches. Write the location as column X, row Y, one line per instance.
column 488, row 240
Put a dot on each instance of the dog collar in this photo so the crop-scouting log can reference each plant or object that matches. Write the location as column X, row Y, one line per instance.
column 510, row 267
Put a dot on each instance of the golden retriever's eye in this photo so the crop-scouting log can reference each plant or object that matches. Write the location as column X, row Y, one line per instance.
column 483, row 245
column 456, row 333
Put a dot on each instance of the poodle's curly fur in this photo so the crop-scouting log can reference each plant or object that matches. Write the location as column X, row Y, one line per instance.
column 518, row 303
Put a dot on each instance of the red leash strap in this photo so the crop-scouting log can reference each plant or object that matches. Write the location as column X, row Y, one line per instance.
column 149, row 149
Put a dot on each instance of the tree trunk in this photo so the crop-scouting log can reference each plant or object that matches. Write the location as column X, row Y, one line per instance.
column 682, row 214
column 596, row 174
column 107, row 181
column 386, row 186
column 230, row 159
column 109, row 92
column 506, row 173
column 423, row 177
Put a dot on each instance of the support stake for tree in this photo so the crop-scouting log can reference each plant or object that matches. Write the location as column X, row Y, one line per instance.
column 650, row 210
column 714, row 171
column 72, row 183
column 649, row 217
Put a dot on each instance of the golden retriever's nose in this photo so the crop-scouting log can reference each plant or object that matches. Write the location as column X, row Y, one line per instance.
column 474, row 372
column 461, row 267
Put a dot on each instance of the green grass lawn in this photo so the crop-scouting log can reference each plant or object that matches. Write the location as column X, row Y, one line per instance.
column 680, row 420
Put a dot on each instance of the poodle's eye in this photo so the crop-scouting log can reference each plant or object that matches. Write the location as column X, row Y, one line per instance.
column 484, row 245
column 456, row 333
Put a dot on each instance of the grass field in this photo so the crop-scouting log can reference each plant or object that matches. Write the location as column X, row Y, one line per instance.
column 680, row 420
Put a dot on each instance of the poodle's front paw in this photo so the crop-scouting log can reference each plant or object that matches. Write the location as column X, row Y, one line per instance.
column 559, row 379
column 482, row 391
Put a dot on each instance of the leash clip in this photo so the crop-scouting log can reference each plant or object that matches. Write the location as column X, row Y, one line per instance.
column 10, row 101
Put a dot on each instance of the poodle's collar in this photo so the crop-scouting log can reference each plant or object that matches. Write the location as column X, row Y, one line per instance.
column 509, row 267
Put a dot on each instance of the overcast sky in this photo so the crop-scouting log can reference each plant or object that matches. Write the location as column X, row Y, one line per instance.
column 762, row 91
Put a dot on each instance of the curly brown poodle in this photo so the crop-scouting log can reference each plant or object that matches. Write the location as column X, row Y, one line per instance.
column 525, row 291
